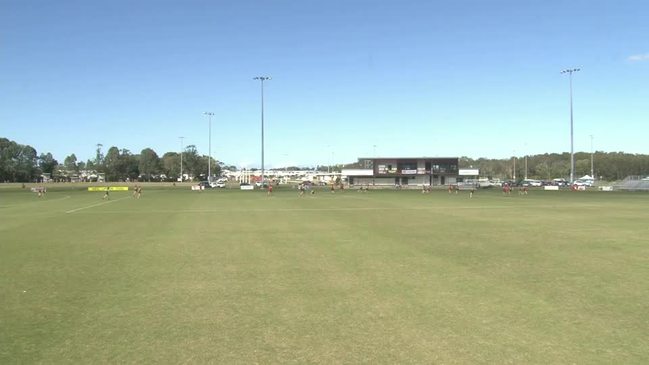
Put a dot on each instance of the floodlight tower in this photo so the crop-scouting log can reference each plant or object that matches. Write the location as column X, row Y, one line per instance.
column 262, row 79
column 592, row 170
column 99, row 146
column 209, row 159
column 525, row 167
column 572, row 152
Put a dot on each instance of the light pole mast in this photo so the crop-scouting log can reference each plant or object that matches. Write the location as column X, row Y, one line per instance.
column 209, row 159
column 572, row 151
column 514, row 171
column 525, row 167
column 374, row 166
column 99, row 146
column 592, row 170
column 525, row 160
column 262, row 79
column 181, row 158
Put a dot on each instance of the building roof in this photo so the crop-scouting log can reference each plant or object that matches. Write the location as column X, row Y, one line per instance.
column 408, row 158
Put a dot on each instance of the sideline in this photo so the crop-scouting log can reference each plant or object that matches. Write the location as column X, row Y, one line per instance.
column 339, row 209
column 96, row 205
column 270, row 210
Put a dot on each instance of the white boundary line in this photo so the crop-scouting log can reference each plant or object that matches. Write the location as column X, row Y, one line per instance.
column 256, row 210
column 95, row 205
column 332, row 209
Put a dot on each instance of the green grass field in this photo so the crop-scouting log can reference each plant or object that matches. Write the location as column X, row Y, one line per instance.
column 226, row 276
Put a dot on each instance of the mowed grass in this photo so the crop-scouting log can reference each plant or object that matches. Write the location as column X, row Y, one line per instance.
column 227, row 276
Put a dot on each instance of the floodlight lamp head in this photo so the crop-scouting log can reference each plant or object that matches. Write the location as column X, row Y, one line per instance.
column 570, row 70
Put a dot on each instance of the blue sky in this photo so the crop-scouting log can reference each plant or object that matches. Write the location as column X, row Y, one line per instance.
column 413, row 78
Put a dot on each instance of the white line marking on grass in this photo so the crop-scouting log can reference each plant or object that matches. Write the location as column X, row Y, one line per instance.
column 256, row 210
column 96, row 205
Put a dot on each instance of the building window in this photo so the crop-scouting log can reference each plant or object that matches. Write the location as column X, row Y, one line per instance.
column 367, row 164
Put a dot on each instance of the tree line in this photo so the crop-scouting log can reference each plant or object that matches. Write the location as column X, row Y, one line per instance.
column 607, row 166
column 22, row 163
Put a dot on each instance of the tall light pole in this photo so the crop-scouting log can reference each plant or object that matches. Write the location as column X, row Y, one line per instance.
column 572, row 151
column 329, row 162
column 181, row 158
column 99, row 146
column 592, row 170
column 525, row 161
column 262, row 79
column 514, row 171
column 373, row 166
column 525, row 167
column 209, row 159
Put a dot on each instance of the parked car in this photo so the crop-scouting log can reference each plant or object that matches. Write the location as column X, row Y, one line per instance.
column 588, row 183
column 560, row 182
column 205, row 184
column 531, row 182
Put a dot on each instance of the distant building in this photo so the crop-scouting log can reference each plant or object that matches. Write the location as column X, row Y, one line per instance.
column 403, row 171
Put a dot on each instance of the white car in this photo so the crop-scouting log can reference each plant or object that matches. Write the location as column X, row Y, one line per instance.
column 530, row 182
column 583, row 183
column 220, row 183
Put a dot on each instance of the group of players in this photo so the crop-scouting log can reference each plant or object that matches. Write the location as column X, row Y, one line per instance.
column 137, row 192
column 507, row 190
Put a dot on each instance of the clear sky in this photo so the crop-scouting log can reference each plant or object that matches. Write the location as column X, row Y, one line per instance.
column 413, row 78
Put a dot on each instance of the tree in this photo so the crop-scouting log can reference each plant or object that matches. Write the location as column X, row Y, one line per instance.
column 192, row 162
column 90, row 165
column 17, row 162
column 47, row 163
column 149, row 163
column 129, row 165
column 171, row 164
column 70, row 163
column 27, row 164
column 111, row 164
